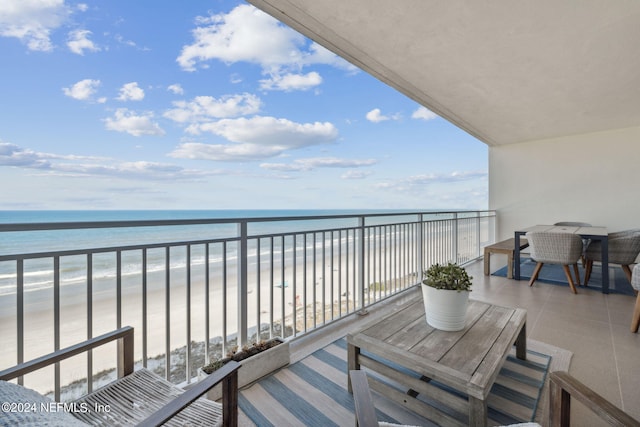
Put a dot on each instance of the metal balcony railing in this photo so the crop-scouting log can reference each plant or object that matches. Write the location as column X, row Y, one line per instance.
column 193, row 289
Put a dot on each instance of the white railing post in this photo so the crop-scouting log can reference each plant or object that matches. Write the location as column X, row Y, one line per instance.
column 242, row 284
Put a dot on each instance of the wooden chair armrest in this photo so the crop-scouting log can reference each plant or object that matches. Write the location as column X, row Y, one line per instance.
column 365, row 411
column 125, row 354
column 563, row 387
column 228, row 375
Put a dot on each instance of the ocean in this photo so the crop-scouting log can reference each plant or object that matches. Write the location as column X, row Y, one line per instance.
column 39, row 272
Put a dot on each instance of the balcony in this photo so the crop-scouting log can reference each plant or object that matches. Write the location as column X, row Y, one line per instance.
column 206, row 286
column 593, row 326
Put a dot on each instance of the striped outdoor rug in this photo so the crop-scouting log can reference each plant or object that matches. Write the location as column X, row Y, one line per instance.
column 313, row 392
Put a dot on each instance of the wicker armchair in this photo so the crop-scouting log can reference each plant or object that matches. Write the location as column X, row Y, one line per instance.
column 624, row 247
column 585, row 242
column 635, row 282
column 136, row 398
column 556, row 248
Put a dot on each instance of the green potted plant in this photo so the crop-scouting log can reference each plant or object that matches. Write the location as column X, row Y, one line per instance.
column 445, row 290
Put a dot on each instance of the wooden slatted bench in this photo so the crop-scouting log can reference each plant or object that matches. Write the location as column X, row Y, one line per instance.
column 505, row 247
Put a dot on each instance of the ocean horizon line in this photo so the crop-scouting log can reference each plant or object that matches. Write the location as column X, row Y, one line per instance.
column 29, row 215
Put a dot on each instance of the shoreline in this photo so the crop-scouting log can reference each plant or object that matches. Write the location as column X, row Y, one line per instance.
column 39, row 325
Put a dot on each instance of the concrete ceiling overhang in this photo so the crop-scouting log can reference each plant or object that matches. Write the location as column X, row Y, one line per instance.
column 505, row 71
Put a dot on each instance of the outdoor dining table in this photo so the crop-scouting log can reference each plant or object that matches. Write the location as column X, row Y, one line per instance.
column 591, row 233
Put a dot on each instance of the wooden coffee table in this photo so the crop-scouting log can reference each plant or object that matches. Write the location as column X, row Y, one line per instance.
column 407, row 355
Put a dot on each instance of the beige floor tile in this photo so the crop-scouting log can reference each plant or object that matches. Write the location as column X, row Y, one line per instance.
column 621, row 309
column 594, row 326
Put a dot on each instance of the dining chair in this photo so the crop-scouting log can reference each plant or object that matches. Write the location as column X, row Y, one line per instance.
column 635, row 282
column 555, row 248
column 585, row 242
column 624, row 247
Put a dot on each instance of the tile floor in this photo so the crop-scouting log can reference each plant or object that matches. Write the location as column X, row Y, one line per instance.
column 595, row 327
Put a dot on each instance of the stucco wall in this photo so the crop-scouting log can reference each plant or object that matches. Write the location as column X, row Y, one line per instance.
column 591, row 178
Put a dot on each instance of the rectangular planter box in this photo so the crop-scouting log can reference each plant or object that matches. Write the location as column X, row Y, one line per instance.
column 255, row 367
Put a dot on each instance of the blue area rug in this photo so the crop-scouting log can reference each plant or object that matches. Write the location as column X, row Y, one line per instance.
column 554, row 274
column 313, row 392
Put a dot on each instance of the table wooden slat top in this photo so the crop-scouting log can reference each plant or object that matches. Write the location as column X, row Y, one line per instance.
column 468, row 360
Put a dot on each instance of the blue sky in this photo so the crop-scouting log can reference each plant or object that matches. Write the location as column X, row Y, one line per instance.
column 209, row 105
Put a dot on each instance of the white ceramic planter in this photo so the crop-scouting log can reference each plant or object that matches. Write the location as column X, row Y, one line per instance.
column 445, row 309
column 255, row 367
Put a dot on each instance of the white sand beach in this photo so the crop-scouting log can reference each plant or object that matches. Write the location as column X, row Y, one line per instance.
column 331, row 283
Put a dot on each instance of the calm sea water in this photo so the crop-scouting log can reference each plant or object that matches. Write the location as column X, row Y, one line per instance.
column 44, row 241
column 38, row 272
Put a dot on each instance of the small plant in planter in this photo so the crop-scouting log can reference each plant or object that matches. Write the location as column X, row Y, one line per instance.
column 214, row 365
column 246, row 352
column 450, row 276
column 256, row 360
column 445, row 290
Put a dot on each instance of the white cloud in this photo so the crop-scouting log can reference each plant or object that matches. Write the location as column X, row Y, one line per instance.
column 289, row 82
column 255, row 138
column 79, row 42
column 120, row 39
column 376, row 116
column 355, row 174
column 270, row 131
column 176, row 89
column 131, row 92
column 441, row 178
column 13, row 155
column 71, row 165
column 82, row 90
column 244, row 34
column 222, row 152
column 133, row 124
column 317, row 162
column 250, row 35
column 418, row 183
column 32, row 21
column 423, row 113
column 206, row 108
column 124, row 170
